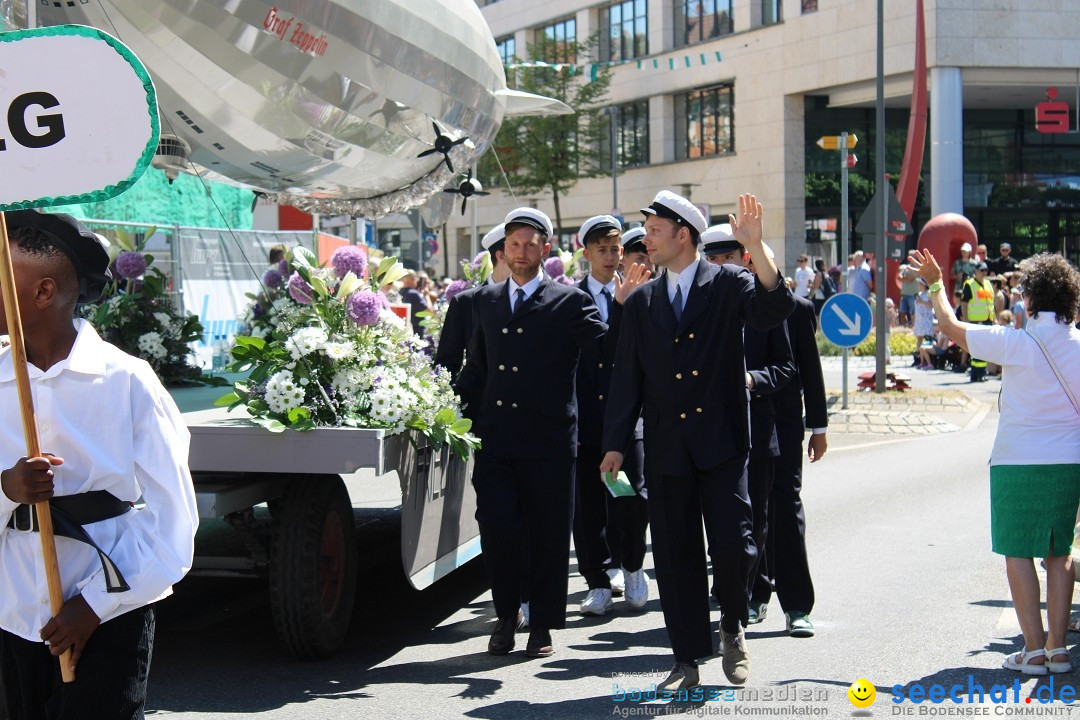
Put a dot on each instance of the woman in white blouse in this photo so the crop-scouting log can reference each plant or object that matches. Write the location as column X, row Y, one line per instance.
column 1035, row 461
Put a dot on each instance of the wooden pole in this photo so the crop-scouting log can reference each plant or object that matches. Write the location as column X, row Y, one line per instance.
column 33, row 447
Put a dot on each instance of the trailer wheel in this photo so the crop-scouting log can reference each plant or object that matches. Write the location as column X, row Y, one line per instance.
column 313, row 566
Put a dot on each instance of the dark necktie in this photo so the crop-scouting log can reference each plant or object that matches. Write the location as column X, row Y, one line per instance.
column 677, row 303
column 519, row 298
column 606, row 296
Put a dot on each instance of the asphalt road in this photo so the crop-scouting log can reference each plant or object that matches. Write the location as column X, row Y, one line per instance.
column 907, row 592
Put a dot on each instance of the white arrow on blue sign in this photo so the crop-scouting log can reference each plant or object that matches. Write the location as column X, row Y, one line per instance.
column 846, row 319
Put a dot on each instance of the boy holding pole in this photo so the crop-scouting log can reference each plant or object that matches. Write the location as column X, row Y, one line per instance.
column 117, row 437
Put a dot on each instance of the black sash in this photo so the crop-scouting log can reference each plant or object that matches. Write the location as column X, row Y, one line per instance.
column 69, row 514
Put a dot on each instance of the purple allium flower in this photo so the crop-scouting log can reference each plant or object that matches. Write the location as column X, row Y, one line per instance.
column 454, row 288
column 272, row 278
column 562, row 279
column 349, row 258
column 130, row 265
column 363, row 307
column 554, row 267
column 476, row 261
column 383, row 300
column 283, row 267
column 299, row 290
column 257, row 310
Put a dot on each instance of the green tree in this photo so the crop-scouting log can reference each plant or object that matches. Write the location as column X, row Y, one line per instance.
column 550, row 154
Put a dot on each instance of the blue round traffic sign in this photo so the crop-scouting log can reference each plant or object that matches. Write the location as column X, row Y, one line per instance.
column 846, row 319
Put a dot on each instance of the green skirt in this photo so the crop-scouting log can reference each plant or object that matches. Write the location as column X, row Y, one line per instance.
column 1033, row 509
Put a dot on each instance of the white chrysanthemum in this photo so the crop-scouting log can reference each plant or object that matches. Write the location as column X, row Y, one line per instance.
column 150, row 345
column 338, row 351
column 305, row 341
column 347, row 382
column 283, row 393
column 163, row 319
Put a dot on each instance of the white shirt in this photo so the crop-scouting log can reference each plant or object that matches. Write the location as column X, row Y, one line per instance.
column 1038, row 424
column 596, row 288
column 803, row 277
column 117, row 429
column 529, row 288
column 685, row 280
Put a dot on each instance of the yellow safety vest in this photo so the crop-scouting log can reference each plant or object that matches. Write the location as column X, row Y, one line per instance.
column 981, row 306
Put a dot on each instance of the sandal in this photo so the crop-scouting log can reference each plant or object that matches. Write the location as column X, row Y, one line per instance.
column 1074, row 625
column 1058, row 667
column 1021, row 662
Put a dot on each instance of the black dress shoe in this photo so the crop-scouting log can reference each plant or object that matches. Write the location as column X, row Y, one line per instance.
column 502, row 640
column 539, row 644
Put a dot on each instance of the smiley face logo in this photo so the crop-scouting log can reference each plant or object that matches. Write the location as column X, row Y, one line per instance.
column 861, row 693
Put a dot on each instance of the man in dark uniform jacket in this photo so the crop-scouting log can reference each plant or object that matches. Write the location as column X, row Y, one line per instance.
column 769, row 367
column 684, row 363
column 458, row 323
column 519, row 373
column 786, row 564
column 609, row 532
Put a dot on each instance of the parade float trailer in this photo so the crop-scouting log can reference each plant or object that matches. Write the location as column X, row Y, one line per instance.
column 305, row 540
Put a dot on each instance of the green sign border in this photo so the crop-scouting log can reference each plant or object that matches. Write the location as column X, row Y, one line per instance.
column 152, row 107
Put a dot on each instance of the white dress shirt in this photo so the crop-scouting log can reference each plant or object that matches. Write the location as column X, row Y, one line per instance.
column 529, row 288
column 1038, row 425
column 596, row 288
column 117, row 429
column 685, row 280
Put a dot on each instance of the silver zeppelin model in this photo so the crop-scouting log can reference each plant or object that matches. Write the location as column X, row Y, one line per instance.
column 327, row 105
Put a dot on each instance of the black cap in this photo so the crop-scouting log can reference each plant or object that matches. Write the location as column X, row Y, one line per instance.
column 83, row 248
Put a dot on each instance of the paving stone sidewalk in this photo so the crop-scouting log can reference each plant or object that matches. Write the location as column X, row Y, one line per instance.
column 913, row 412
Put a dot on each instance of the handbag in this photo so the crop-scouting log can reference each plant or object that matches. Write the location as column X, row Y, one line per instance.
column 1054, row 367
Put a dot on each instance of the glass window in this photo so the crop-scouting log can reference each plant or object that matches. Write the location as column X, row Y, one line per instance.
column 700, row 20
column 624, row 31
column 507, row 48
column 631, row 136
column 707, row 122
column 556, row 42
column 771, row 12
column 809, row 6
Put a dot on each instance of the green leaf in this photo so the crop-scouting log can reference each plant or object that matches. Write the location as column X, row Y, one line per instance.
column 319, row 286
column 461, row 427
column 304, row 258
column 446, row 416
column 229, row 399
column 269, row 424
column 298, row 412
column 249, row 341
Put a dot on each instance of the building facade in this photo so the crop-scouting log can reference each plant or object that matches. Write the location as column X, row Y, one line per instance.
column 722, row 97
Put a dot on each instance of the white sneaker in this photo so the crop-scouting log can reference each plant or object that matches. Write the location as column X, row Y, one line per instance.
column 597, row 602
column 637, row 588
column 524, row 616
column 618, row 581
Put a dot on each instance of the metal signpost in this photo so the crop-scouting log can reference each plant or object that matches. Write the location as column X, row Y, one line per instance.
column 843, row 142
column 846, row 321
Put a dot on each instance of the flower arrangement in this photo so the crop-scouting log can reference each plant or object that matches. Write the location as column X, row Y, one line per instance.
column 137, row 315
column 562, row 266
column 476, row 273
column 260, row 317
column 336, row 355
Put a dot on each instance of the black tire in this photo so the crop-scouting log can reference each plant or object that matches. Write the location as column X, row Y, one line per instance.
column 313, row 566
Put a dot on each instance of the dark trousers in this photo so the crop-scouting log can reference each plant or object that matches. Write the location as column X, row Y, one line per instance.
column 787, row 567
column 759, row 474
column 110, row 679
column 677, row 505
column 524, row 508
column 609, row 531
